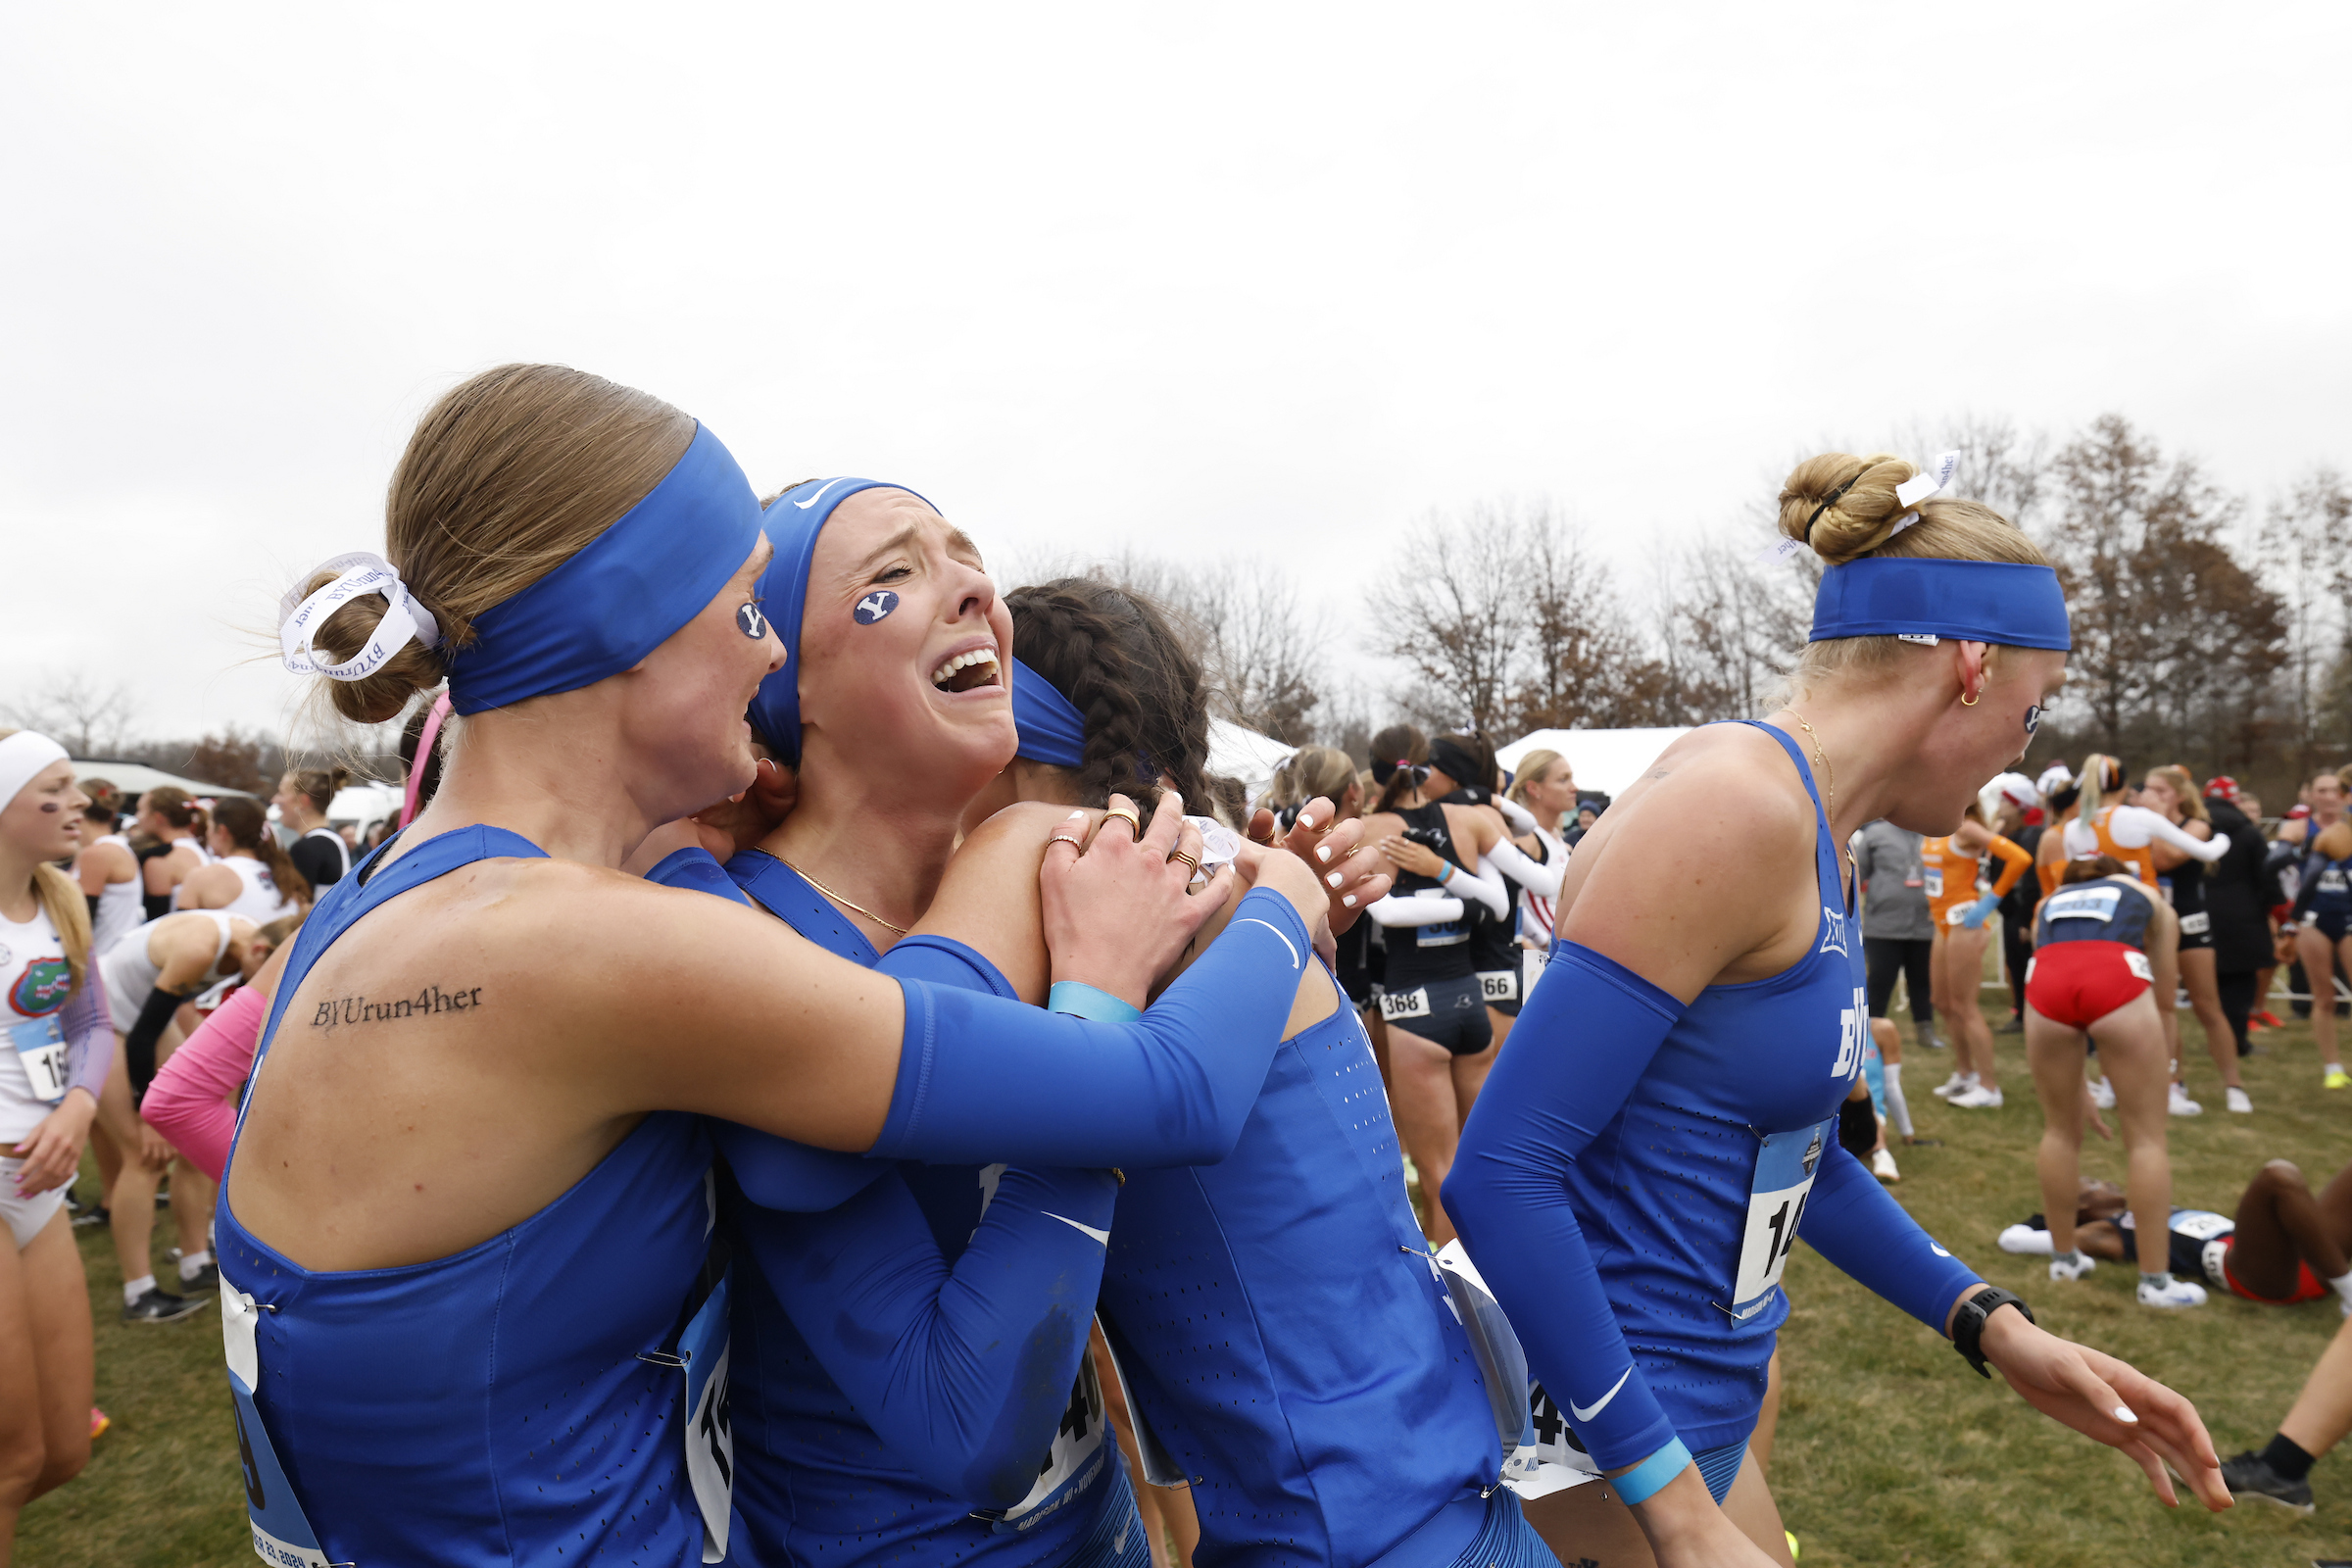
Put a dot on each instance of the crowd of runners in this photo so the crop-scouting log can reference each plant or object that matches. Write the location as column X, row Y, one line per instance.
column 820, row 1070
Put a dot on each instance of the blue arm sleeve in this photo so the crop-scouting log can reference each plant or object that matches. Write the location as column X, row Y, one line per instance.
column 963, row 1372
column 1856, row 1224
column 1587, row 1033
column 89, row 1034
column 984, row 1079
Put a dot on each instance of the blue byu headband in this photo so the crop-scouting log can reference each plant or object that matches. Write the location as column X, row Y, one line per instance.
column 794, row 521
column 624, row 596
column 1052, row 731
column 1926, row 597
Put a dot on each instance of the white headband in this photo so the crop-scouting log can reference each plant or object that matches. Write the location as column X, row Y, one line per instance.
column 361, row 572
column 23, row 757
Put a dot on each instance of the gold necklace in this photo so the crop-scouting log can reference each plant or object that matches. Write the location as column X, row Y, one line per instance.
column 1829, row 779
column 859, row 908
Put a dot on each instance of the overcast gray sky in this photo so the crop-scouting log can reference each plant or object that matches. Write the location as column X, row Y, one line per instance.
column 1212, row 278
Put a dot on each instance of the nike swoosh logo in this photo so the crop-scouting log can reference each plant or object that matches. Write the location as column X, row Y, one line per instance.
column 1277, row 930
column 1101, row 1236
column 1601, row 1403
column 813, row 500
column 1938, row 1251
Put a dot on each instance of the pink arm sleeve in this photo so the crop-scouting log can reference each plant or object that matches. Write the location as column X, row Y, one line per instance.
column 190, row 1100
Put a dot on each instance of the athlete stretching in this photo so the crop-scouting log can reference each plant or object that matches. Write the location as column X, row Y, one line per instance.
column 1633, row 1188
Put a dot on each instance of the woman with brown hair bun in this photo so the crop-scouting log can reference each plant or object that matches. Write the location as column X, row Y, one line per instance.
column 485, row 1067
column 106, row 867
column 318, row 851
column 1643, row 1163
column 250, row 876
column 173, row 827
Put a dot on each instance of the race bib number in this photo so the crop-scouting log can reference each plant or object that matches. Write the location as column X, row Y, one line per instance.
column 1935, row 884
column 1556, row 1460
column 2137, row 962
column 2201, row 1224
column 2198, row 924
column 282, row 1535
column 1074, row 1462
column 1498, row 985
column 1451, row 934
column 41, row 1048
column 1413, row 1003
column 707, row 1348
column 2212, row 1256
column 1785, row 1166
column 1531, row 969
column 1956, row 914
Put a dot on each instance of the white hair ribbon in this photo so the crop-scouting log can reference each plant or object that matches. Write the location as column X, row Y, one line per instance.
column 361, row 573
column 1912, row 491
column 25, row 756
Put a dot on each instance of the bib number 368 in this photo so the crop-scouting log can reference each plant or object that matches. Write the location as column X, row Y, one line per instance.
column 1785, row 1166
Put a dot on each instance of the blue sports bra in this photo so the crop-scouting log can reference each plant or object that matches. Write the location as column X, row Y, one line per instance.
column 520, row 1401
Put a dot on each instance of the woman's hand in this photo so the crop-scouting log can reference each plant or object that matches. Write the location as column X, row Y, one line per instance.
column 2108, row 1400
column 52, row 1152
column 1115, row 905
column 1353, row 874
column 1687, row 1530
column 1406, row 855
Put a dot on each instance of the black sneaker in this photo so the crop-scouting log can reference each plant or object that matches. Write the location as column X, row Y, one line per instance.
column 2246, row 1476
column 162, row 1307
column 2015, row 1026
column 206, row 1283
column 90, row 1218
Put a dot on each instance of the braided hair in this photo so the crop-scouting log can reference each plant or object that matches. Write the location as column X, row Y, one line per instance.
column 1142, row 696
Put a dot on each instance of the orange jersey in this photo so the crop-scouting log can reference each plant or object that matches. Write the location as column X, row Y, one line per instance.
column 2140, row 861
column 1951, row 875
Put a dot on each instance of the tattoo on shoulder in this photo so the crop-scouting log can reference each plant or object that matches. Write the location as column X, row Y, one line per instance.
column 1659, row 773
column 426, row 1004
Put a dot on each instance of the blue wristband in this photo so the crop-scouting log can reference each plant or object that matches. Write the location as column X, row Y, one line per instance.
column 1087, row 1002
column 1644, row 1481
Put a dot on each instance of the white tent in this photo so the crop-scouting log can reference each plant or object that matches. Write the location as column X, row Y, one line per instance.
column 1605, row 762
column 365, row 803
column 137, row 778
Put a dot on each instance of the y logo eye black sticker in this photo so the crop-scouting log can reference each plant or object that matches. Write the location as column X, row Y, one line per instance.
column 876, row 604
column 751, row 621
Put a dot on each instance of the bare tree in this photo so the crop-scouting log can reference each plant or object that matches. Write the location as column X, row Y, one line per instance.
column 2006, row 468
column 1584, row 663
column 2302, row 546
column 1452, row 608
column 1260, row 647
column 86, row 718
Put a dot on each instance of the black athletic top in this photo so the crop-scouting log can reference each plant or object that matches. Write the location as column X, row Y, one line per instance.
column 1419, row 954
column 1494, row 944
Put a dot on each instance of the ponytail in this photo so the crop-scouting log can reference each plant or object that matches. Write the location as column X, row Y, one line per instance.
column 242, row 819
column 68, row 911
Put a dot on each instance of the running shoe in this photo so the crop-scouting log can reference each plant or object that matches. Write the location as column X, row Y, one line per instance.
column 2073, row 1266
column 2246, row 1476
column 1929, row 1039
column 1958, row 1083
column 99, row 1422
column 1882, row 1165
column 206, row 1283
column 2179, row 1105
column 1977, row 1098
column 2236, row 1100
column 2266, row 1020
column 2102, row 1094
column 2024, row 1239
column 160, row 1306
column 2173, row 1293
column 1794, row 1551
column 2015, row 1026
column 91, row 1218
column 2337, row 1077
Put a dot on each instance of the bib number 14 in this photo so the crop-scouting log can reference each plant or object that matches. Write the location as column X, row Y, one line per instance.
column 1785, row 1166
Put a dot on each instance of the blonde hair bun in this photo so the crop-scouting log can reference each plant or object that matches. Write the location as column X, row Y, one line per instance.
column 1844, row 505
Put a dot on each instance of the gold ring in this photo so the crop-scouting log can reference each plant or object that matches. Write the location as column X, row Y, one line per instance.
column 1064, row 838
column 1192, row 860
column 1126, row 814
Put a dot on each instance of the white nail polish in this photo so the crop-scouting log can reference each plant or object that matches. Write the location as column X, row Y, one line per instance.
column 1323, row 851
column 1348, row 901
column 1073, row 816
column 1335, row 879
column 2123, row 1412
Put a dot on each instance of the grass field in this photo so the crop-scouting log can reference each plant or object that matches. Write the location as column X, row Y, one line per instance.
column 1890, row 1451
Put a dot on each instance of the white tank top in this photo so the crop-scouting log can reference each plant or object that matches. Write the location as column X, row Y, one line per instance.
column 204, row 858
column 130, row 970
column 119, row 904
column 260, row 900
column 33, row 968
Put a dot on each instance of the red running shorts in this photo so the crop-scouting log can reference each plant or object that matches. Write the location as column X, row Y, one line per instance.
column 2079, row 983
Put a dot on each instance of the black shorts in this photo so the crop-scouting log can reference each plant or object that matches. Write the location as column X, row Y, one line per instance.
column 2329, row 923
column 1451, row 1012
column 2202, row 936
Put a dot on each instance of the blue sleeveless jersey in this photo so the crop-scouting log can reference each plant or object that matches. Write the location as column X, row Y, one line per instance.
column 518, row 1403
column 1283, row 1334
column 817, row 1484
column 1663, row 1192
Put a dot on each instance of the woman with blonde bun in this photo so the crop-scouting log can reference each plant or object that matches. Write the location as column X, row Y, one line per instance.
column 482, row 1079
column 1646, row 1156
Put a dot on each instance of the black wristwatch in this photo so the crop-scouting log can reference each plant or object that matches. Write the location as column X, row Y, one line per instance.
column 1968, row 1324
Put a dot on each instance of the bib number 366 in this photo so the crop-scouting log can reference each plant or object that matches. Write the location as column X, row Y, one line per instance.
column 1785, row 1166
